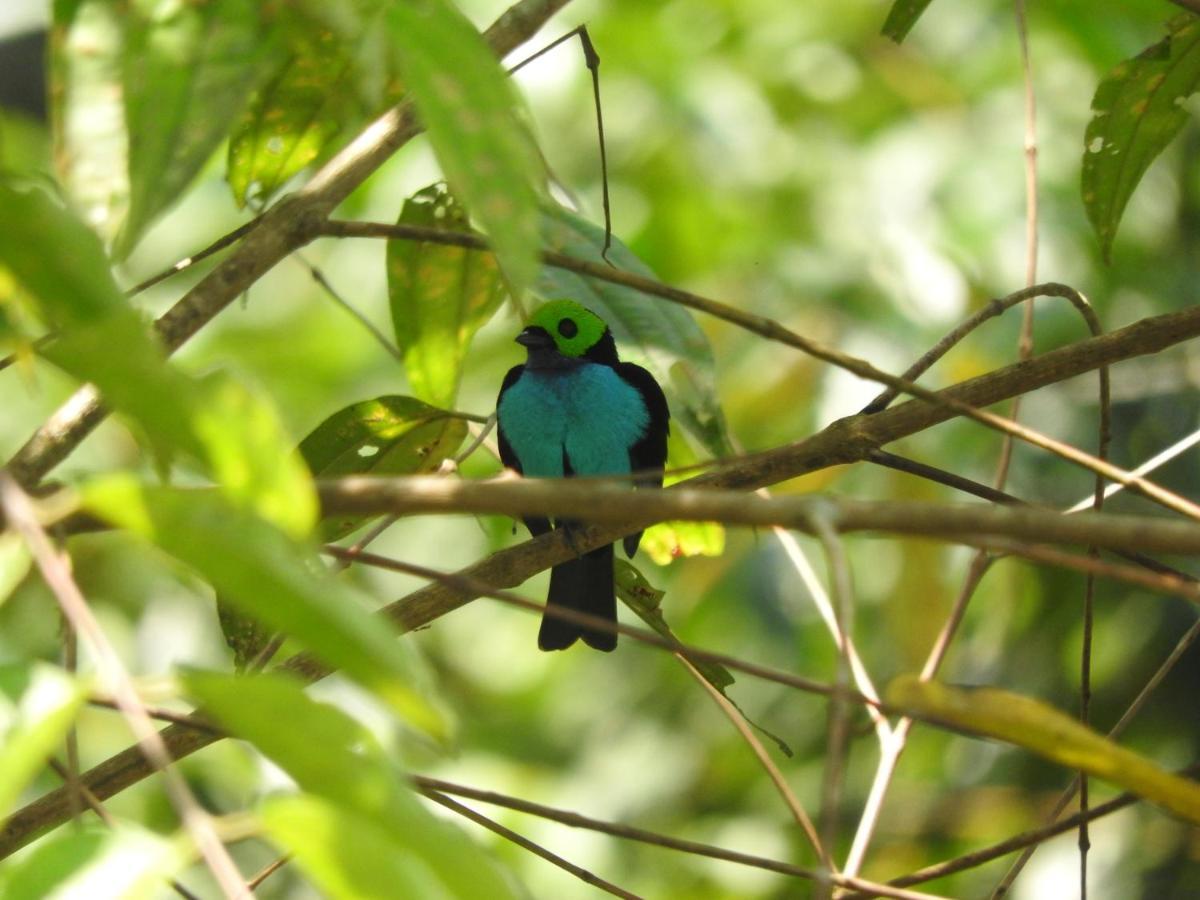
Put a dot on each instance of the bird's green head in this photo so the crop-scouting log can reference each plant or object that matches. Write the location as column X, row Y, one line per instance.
column 574, row 328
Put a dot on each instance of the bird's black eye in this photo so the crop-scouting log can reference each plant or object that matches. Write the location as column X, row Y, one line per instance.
column 567, row 328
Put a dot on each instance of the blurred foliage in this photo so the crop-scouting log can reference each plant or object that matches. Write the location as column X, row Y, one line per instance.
column 785, row 158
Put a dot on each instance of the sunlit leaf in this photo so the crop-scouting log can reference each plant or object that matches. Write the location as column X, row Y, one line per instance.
column 390, row 435
column 188, row 70
column 268, row 576
column 440, row 296
column 656, row 334
column 38, row 703
column 669, row 541
column 902, row 17
column 474, row 121
column 91, row 145
column 290, row 123
column 332, row 756
column 95, row 861
column 1032, row 724
column 1137, row 110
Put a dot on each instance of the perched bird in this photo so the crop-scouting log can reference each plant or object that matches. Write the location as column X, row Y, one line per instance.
column 575, row 409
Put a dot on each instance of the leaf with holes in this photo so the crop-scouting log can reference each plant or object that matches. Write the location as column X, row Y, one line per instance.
column 1137, row 110
column 902, row 17
column 476, row 126
column 188, row 71
column 390, row 435
column 290, row 123
column 440, row 296
column 654, row 333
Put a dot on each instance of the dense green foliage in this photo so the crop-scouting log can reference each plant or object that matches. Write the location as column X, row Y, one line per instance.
column 788, row 159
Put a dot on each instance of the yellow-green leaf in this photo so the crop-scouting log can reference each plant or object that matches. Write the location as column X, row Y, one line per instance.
column 1038, row 727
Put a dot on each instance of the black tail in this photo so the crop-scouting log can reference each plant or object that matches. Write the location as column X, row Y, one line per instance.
column 585, row 585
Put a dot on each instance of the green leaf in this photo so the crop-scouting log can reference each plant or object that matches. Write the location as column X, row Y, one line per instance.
column 96, row 861
column 38, row 703
column 390, row 435
column 276, row 580
column 234, row 432
column 290, row 123
column 1046, row 731
column 91, row 145
column 1137, row 110
column 333, row 757
column 188, row 71
column 348, row 856
column 15, row 561
column 656, row 334
column 475, row 125
column 440, row 296
column 668, row 541
column 902, row 17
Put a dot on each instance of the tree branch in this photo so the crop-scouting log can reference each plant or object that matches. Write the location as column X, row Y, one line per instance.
column 288, row 225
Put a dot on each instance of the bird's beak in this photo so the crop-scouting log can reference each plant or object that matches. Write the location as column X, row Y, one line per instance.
column 534, row 337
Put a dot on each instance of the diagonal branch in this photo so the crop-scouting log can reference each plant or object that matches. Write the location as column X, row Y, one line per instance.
column 287, row 226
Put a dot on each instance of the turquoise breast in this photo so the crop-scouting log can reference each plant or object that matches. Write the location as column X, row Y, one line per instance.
column 588, row 412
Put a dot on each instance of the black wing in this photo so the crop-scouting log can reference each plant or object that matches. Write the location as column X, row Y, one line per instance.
column 536, row 524
column 649, row 453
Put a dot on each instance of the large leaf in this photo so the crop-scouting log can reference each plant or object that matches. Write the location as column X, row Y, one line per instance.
column 235, row 433
column 290, row 123
column 338, row 75
column 272, row 578
column 659, row 335
column 902, row 17
column 474, row 120
column 1046, row 731
column 91, row 145
column 333, row 757
column 390, row 435
column 188, row 70
column 96, row 861
column 1136, row 111
column 440, row 296
column 38, row 703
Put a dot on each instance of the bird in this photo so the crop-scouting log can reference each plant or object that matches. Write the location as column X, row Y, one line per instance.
column 575, row 409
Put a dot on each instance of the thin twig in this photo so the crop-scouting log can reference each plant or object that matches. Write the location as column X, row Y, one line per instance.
column 1033, row 838
column 537, row 849
column 330, row 291
column 94, row 804
column 21, row 516
column 824, row 525
column 785, row 791
column 628, row 832
column 268, row 870
column 188, row 261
